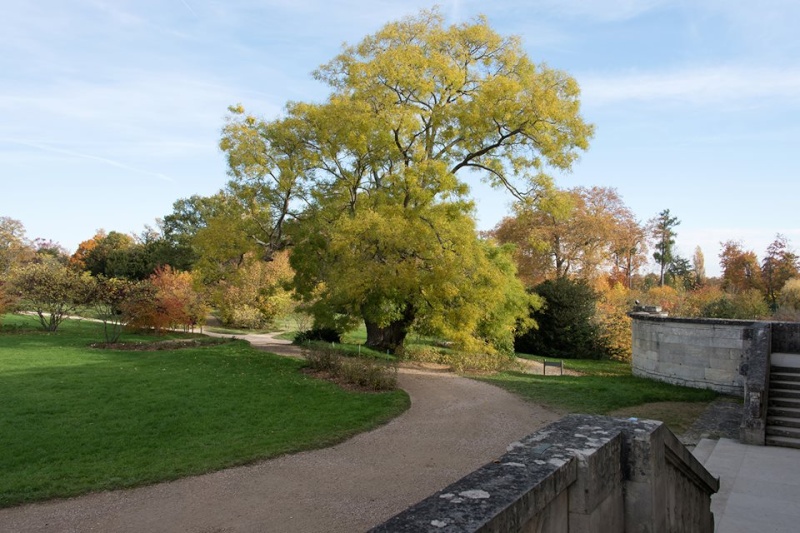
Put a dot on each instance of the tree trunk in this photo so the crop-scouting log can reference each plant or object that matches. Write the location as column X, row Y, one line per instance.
column 391, row 337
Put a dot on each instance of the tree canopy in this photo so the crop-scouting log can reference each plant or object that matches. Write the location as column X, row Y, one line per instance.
column 580, row 232
column 371, row 187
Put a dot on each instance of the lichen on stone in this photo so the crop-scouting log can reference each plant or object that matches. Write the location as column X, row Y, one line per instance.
column 475, row 494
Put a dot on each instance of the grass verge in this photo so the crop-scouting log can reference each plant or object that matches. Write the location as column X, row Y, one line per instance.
column 74, row 419
column 606, row 388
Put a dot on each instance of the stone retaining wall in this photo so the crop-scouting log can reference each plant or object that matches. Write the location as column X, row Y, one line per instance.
column 701, row 353
column 587, row 474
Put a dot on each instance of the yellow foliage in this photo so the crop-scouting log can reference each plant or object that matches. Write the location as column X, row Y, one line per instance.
column 666, row 297
column 613, row 307
column 257, row 293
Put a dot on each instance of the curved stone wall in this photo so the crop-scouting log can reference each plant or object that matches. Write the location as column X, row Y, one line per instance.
column 695, row 352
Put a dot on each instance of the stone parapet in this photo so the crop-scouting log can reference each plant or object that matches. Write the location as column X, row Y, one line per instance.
column 581, row 474
column 700, row 353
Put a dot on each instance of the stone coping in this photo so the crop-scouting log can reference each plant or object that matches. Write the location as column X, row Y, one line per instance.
column 687, row 320
column 503, row 494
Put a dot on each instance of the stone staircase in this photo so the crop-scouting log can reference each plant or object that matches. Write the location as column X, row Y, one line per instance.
column 783, row 410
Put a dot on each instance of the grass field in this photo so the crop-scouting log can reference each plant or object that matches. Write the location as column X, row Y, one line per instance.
column 75, row 419
column 608, row 387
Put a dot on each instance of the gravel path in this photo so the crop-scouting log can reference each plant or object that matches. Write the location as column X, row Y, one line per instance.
column 454, row 425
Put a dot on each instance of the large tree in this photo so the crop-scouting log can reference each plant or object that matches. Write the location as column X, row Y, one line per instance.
column 371, row 186
column 740, row 268
column 580, row 232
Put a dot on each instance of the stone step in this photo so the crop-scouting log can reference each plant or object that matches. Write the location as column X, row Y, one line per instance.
column 785, row 402
column 786, row 442
column 783, row 393
column 783, row 431
column 789, row 412
column 791, row 360
column 784, row 421
column 777, row 384
column 789, row 372
column 704, row 449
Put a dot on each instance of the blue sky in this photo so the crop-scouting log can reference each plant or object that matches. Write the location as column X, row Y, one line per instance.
column 111, row 110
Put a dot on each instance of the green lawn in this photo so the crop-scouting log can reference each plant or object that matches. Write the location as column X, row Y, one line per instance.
column 75, row 419
column 605, row 387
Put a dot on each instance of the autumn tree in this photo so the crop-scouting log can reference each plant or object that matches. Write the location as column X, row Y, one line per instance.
column 51, row 290
column 741, row 270
column 699, row 267
column 110, row 297
column 789, row 300
column 629, row 251
column 167, row 300
column 613, row 305
column 370, row 186
column 15, row 248
column 662, row 231
column 46, row 248
column 257, row 294
column 579, row 232
column 78, row 259
column 780, row 264
column 105, row 254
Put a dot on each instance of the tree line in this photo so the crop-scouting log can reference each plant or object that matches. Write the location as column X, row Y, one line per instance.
column 357, row 209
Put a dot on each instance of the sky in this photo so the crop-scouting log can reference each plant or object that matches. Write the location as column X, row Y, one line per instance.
column 111, row 110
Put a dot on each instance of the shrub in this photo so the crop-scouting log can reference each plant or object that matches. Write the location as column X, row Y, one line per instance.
column 614, row 323
column 789, row 298
column 166, row 300
column 478, row 361
column 695, row 302
column 243, row 316
column 424, row 354
column 665, row 297
column 746, row 305
column 364, row 373
column 566, row 326
column 52, row 290
column 318, row 334
column 323, row 360
column 461, row 361
column 368, row 374
column 109, row 299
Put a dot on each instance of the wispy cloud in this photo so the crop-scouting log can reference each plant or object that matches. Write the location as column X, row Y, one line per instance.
column 80, row 155
column 192, row 11
column 702, row 86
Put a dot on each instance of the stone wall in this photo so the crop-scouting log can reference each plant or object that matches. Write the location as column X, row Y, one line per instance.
column 581, row 474
column 701, row 353
column 785, row 337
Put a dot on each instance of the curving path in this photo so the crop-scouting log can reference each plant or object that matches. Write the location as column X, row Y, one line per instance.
column 454, row 425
